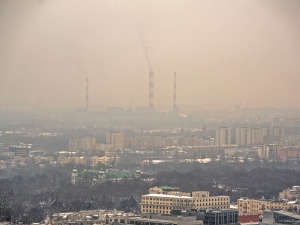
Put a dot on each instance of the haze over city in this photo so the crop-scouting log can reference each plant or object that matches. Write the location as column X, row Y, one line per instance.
column 173, row 112
column 224, row 52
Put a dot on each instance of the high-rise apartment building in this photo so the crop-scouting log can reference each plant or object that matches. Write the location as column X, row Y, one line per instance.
column 272, row 135
column 257, row 136
column 116, row 139
column 243, row 136
column 223, row 136
column 270, row 152
column 82, row 144
column 278, row 133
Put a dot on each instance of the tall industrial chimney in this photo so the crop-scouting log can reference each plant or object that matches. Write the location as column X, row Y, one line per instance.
column 87, row 95
column 151, row 89
column 174, row 94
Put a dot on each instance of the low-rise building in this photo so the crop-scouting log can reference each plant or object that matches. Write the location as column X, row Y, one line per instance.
column 20, row 150
column 94, row 176
column 254, row 206
column 39, row 153
column 105, row 160
column 290, row 193
column 164, row 203
column 289, row 154
column 211, row 216
column 221, row 217
column 121, row 218
column 279, row 217
column 165, row 199
column 202, row 200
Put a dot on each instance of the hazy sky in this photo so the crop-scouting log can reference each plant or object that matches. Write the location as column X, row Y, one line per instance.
column 224, row 52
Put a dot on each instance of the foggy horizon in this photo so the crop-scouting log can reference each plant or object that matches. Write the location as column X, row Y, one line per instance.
column 223, row 53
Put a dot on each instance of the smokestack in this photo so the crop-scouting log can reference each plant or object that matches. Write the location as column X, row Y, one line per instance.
column 151, row 89
column 87, row 95
column 174, row 94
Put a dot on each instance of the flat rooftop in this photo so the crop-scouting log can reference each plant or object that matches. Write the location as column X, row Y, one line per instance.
column 285, row 213
column 167, row 196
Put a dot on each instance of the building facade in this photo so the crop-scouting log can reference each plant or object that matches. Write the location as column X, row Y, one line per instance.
column 243, row 136
column 269, row 152
column 290, row 193
column 221, row 217
column 254, row 206
column 202, row 200
column 163, row 202
column 116, row 139
column 223, row 136
column 82, row 144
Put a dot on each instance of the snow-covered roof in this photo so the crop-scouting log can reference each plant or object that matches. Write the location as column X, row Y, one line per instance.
column 167, row 196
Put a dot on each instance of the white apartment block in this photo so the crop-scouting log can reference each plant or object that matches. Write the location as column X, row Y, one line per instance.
column 223, row 136
column 243, row 136
column 246, row 136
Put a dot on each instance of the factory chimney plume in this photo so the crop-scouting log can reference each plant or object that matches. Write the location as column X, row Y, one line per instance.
column 151, row 90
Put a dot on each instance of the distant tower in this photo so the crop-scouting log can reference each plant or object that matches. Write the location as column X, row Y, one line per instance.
column 74, row 176
column 101, row 175
column 151, row 90
column 87, row 95
column 138, row 174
